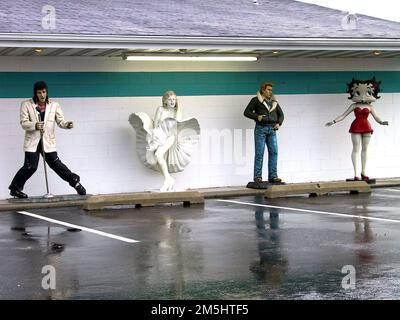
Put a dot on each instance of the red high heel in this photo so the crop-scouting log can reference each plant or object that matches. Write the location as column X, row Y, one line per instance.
column 365, row 178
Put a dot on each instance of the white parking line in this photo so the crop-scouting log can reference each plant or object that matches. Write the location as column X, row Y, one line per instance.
column 391, row 189
column 101, row 233
column 310, row 211
column 387, row 195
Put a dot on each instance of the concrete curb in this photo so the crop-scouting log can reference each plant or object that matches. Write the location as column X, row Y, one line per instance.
column 191, row 196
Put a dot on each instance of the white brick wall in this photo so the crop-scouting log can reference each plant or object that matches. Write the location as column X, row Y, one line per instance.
column 101, row 147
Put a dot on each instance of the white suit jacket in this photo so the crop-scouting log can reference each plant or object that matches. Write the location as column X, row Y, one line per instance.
column 28, row 118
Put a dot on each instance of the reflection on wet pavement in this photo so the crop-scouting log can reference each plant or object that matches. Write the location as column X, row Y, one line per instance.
column 219, row 251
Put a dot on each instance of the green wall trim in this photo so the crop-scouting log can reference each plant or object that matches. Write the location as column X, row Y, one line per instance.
column 127, row 84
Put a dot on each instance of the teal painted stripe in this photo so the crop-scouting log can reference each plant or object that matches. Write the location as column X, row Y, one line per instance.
column 125, row 84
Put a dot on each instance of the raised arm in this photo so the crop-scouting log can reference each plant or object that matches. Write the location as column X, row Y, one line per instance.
column 342, row 116
column 377, row 118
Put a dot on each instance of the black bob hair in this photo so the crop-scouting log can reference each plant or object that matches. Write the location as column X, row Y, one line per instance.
column 375, row 85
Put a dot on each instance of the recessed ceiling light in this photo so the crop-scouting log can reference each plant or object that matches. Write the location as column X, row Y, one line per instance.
column 275, row 52
column 377, row 53
column 38, row 50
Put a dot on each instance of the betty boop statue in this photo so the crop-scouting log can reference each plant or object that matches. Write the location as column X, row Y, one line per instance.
column 362, row 93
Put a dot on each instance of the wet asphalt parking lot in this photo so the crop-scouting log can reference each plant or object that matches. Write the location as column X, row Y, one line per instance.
column 330, row 247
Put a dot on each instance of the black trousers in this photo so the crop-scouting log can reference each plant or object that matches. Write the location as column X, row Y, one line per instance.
column 31, row 164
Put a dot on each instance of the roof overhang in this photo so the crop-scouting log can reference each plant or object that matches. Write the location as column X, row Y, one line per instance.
column 145, row 42
column 91, row 45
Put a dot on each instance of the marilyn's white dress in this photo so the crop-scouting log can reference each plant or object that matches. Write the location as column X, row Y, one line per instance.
column 149, row 138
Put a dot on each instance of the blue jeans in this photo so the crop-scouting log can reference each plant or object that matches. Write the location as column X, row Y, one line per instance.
column 265, row 135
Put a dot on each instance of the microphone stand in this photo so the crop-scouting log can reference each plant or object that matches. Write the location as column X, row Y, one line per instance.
column 48, row 195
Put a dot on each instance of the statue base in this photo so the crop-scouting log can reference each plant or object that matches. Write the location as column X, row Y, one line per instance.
column 262, row 185
column 369, row 181
column 47, row 199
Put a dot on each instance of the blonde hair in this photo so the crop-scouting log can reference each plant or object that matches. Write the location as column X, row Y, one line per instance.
column 166, row 95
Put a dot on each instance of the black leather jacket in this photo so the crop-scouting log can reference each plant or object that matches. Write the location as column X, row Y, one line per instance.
column 256, row 108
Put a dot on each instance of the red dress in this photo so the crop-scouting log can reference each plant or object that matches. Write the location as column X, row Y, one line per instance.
column 361, row 123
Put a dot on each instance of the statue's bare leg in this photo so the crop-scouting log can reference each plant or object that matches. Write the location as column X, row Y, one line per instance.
column 364, row 156
column 355, row 154
column 160, row 155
